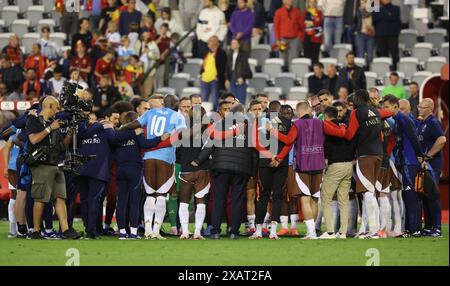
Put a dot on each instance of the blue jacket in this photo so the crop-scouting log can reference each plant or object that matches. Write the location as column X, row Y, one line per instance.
column 95, row 140
column 128, row 152
column 407, row 142
column 387, row 22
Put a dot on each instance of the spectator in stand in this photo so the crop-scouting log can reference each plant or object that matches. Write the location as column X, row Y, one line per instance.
column 81, row 60
column 238, row 70
column 13, row 51
column 241, row 25
column 99, row 50
column 112, row 35
column 364, row 33
column 318, row 80
column 190, row 10
column 333, row 24
column 125, row 51
column 105, row 66
column 260, row 21
column 148, row 24
column 32, row 84
column 10, row 96
column 69, row 22
column 333, row 80
column 387, row 30
column 76, row 78
column 83, row 35
column 12, row 74
column 349, row 21
column 133, row 35
column 166, row 17
column 130, row 15
column 414, row 98
column 395, row 88
column 149, row 54
column 55, row 84
column 133, row 70
column 125, row 90
column 211, row 22
column 352, row 76
column 105, row 96
column 227, row 8
column 343, row 94
column 95, row 9
column 288, row 31
column 36, row 61
column 213, row 72
column 49, row 48
column 110, row 13
column 163, row 43
column 313, row 36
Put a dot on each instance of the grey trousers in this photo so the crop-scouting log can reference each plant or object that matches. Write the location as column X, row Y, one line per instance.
column 293, row 50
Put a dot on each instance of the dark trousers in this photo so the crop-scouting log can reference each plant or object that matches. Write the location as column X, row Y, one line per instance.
column 311, row 50
column 388, row 46
column 432, row 208
column 129, row 183
column 91, row 197
column 272, row 181
column 223, row 182
column 69, row 24
column 413, row 203
column 71, row 195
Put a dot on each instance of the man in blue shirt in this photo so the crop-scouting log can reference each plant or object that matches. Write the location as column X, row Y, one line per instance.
column 432, row 140
column 411, row 159
column 159, row 165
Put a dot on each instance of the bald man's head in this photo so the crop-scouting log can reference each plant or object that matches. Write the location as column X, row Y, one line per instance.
column 426, row 107
column 404, row 106
column 50, row 106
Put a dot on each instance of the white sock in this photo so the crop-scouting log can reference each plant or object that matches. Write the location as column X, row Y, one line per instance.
column 273, row 229
column 352, row 216
column 259, row 229
column 12, row 217
column 335, row 213
column 377, row 215
column 133, row 230
column 251, row 220
column 294, row 220
column 402, row 208
column 149, row 211
column 183, row 213
column 160, row 212
column 371, row 211
column 200, row 214
column 396, row 212
column 122, row 231
column 363, row 226
column 266, row 220
column 310, row 227
column 385, row 212
column 284, row 221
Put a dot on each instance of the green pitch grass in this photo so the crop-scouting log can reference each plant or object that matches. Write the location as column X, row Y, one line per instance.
column 243, row 252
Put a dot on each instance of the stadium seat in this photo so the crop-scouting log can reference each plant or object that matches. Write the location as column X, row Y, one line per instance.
column 3, row 4
column 29, row 39
column 208, row 106
column 361, row 62
column 305, row 79
column 193, row 67
column 300, row 66
column 339, row 51
column 188, row 91
column 285, row 80
column 4, row 39
column 434, row 64
column 371, row 79
column 297, row 93
column 179, row 81
column 422, row 51
column 421, row 76
column 186, row 45
column 9, row 14
column 34, row 14
column 46, row 22
column 58, row 38
column 381, row 65
column 260, row 53
column 273, row 92
column 24, row 4
column 408, row 66
column 326, row 62
column 273, row 67
column 166, row 90
column 250, row 92
column 259, row 81
column 408, row 37
column 436, row 37
column 20, row 26
column 444, row 50
column 49, row 5
column 253, row 64
column 65, row 48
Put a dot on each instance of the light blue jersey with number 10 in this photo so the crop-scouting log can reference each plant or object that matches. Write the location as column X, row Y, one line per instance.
column 158, row 122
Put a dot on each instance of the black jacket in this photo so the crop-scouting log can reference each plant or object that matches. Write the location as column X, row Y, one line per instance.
column 358, row 80
column 239, row 160
column 332, row 84
column 338, row 150
column 241, row 68
column 349, row 12
column 185, row 155
column 221, row 66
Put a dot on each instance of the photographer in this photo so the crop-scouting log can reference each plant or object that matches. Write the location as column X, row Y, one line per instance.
column 48, row 181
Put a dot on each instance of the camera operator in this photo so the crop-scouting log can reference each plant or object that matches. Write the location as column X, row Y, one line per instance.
column 48, row 181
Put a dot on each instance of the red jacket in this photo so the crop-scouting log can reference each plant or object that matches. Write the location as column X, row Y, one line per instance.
column 315, row 33
column 39, row 63
column 288, row 24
